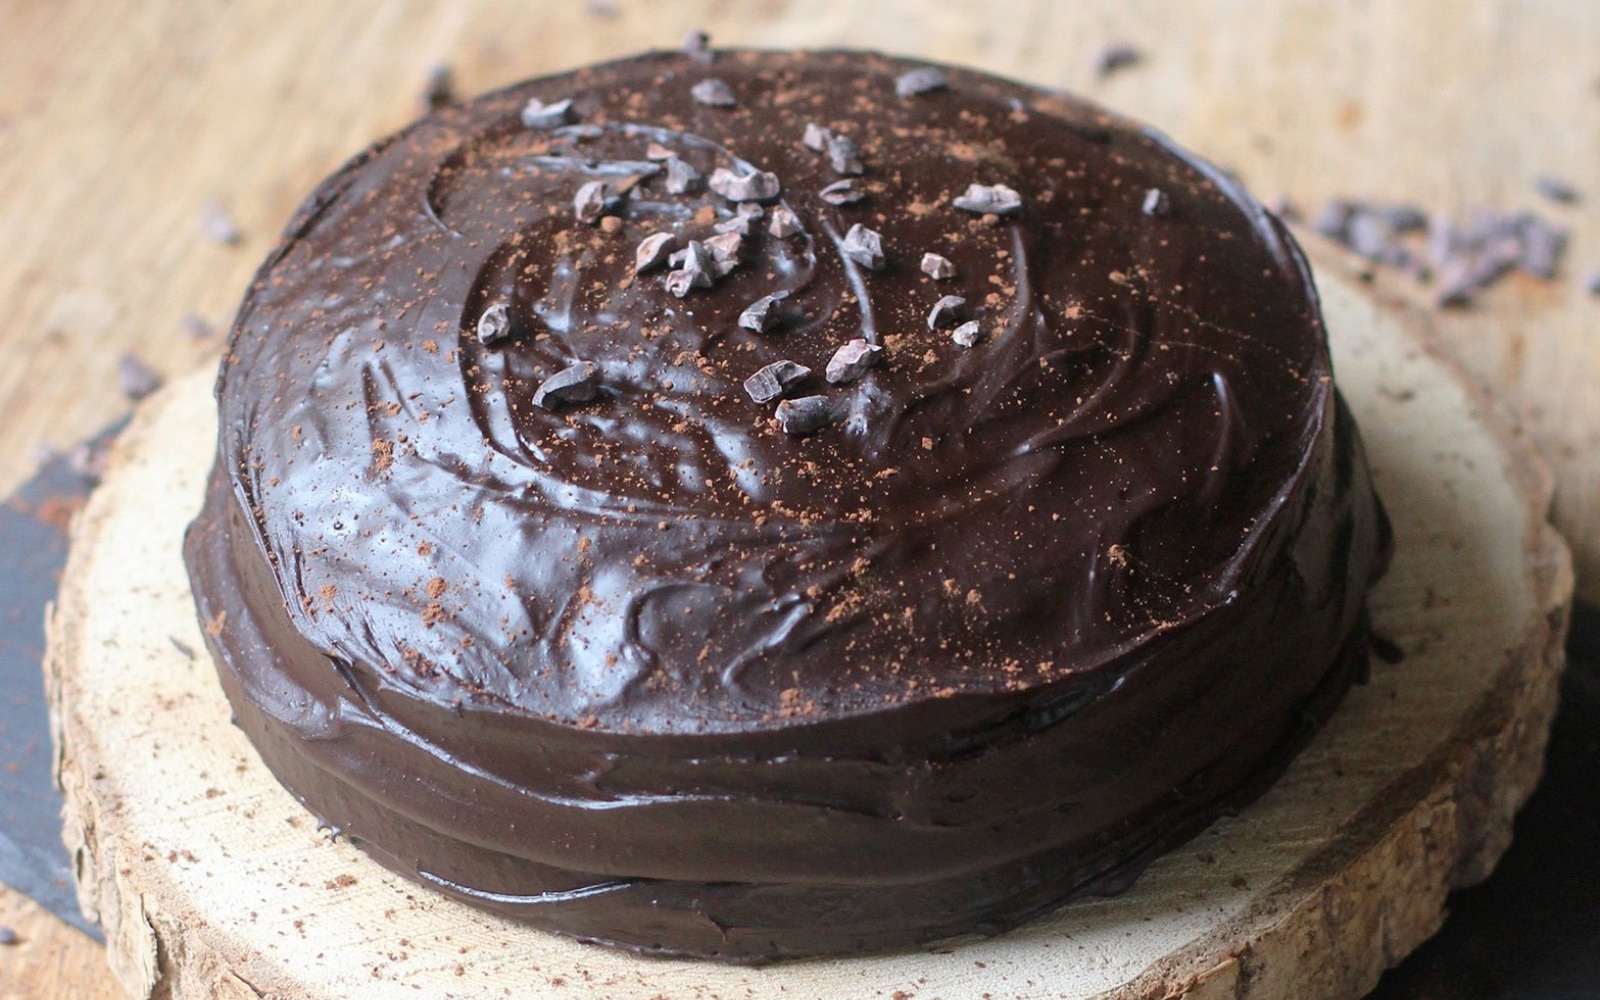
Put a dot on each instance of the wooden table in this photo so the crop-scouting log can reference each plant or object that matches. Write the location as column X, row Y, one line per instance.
column 117, row 122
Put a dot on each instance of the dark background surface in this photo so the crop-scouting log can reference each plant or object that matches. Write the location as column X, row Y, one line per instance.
column 1531, row 932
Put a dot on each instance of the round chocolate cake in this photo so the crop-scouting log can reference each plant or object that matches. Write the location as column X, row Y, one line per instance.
column 756, row 505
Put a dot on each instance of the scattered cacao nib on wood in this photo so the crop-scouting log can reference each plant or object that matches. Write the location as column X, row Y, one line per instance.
column 494, row 325
column 968, row 334
column 538, row 115
column 1556, row 189
column 841, row 193
column 771, row 381
column 1405, row 218
column 1333, row 219
column 922, row 80
column 694, row 269
column 784, row 223
column 590, row 202
column 576, row 383
column 1117, row 55
column 1542, row 245
column 851, row 361
column 816, row 137
column 713, row 93
column 89, row 459
column 989, row 199
column 697, row 46
column 197, row 326
column 1156, row 202
column 760, row 185
column 762, row 313
column 1461, row 258
column 946, row 312
column 805, row 415
column 136, row 379
column 439, row 88
column 845, row 156
column 652, row 251
column 938, row 267
column 864, row 246
column 217, row 225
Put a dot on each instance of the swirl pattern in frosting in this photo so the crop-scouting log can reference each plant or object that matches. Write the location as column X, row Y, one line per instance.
column 637, row 663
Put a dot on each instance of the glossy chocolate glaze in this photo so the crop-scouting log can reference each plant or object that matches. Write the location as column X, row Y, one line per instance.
column 645, row 669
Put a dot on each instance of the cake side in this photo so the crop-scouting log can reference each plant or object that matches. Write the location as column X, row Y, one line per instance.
column 1022, row 614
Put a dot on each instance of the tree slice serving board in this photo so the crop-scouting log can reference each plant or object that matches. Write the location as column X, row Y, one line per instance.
column 211, row 881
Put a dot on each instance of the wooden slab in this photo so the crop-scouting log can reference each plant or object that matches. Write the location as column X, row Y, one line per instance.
column 211, row 881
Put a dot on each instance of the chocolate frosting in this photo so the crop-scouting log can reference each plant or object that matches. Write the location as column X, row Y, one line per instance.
column 647, row 668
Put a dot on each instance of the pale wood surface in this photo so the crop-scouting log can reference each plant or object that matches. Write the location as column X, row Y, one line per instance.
column 211, row 881
column 117, row 120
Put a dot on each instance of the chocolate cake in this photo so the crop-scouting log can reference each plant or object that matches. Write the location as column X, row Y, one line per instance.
column 769, row 505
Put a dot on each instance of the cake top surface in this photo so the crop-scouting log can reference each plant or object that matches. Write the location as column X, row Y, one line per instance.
column 489, row 454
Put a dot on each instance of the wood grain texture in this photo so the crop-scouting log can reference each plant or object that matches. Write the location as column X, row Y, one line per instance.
column 118, row 119
column 210, row 880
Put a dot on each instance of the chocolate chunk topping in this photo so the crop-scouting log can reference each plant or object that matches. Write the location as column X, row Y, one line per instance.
column 590, row 202
column 864, row 246
column 844, row 156
column 576, row 383
column 843, row 192
column 494, row 325
column 968, row 334
column 938, row 267
column 946, row 312
column 695, row 268
column 652, row 251
column 757, row 186
column 851, row 361
column 713, row 93
column 682, row 178
column 922, row 80
column 760, row 314
column 538, row 115
column 816, row 137
column 784, row 223
column 989, row 199
column 725, row 248
column 1156, row 202
column 805, row 415
column 771, row 381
